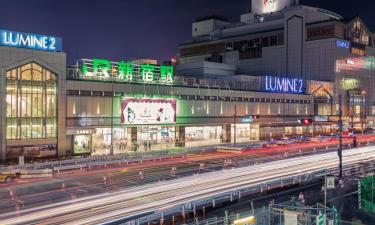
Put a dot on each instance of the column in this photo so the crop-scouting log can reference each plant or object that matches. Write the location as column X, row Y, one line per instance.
column 180, row 136
column 132, row 134
column 227, row 133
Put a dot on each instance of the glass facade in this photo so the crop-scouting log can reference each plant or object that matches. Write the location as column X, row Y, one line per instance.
column 31, row 103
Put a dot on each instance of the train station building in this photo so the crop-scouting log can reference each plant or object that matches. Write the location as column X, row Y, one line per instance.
column 276, row 74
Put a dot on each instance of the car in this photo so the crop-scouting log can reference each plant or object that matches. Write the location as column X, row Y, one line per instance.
column 7, row 177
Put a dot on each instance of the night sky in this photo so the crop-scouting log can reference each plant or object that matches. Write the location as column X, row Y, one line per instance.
column 130, row 29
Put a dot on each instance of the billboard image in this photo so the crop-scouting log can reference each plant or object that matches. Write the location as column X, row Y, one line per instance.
column 82, row 144
column 270, row 6
column 148, row 111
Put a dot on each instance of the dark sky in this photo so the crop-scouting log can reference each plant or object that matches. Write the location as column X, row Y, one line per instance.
column 128, row 29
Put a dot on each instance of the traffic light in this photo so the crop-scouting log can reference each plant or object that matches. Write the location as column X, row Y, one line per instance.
column 305, row 121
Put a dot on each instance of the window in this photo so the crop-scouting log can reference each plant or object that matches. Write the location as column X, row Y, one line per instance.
column 31, row 101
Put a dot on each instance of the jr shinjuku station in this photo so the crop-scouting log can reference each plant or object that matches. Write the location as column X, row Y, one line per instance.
column 275, row 74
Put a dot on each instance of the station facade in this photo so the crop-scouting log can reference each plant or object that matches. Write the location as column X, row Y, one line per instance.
column 230, row 95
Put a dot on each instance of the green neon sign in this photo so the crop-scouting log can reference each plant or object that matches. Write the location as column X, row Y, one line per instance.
column 123, row 71
column 147, row 72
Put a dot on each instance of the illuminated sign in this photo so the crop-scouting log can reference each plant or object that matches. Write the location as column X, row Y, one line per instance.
column 350, row 83
column 343, row 44
column 124, row 71
column 270, row 6
column 82, row 144
column 284, row 85
column 31, row 41
column 247, row 119
column 148, row 111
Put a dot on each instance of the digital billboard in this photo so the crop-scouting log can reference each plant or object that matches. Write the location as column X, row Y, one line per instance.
column 148, row 111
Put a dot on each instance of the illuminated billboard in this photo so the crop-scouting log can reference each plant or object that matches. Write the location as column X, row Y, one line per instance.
column 148, row 111
column 125, row 71
column 82, row 144
column 270, row 6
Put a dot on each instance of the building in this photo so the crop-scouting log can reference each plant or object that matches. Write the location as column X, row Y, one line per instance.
column 283, row 38
column 32, row 87
column 276, row 74
column 152, row 106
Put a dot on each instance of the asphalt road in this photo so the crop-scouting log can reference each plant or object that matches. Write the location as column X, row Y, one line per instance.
column 25, row 194
column 156, row 196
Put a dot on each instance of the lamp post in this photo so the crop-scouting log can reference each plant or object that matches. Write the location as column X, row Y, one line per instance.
column 340, row 136
column 362, row 110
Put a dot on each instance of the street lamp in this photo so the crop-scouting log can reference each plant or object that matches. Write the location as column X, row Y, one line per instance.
column 362, row 110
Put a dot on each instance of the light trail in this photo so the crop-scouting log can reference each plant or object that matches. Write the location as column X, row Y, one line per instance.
column 158, row 196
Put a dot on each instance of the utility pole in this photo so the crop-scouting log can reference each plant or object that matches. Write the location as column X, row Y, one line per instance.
column 234, row 122
column 340, row 137
column 113, row 94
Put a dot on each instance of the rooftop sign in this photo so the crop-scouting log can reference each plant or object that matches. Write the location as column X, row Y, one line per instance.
column 125, row 71
column 284, row 85
column 270, row 6
column 30, row 41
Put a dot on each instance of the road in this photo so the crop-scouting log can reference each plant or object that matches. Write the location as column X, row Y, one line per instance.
column 29, row 193
column 166, row 194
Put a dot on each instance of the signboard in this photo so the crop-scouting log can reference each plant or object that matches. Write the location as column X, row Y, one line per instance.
column 330, row 182
column 32, row 151
column 343, row 44
column 284, row 85
column 82, row 144
column 125, row 71
column 31, row 41
column 350, row 83
column 321, row 118
column 247, row 119
column 148, row 111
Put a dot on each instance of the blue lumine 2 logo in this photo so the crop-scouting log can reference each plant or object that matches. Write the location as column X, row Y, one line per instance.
column 31, row 41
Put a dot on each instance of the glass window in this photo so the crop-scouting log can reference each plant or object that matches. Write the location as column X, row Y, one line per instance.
column 31, row 102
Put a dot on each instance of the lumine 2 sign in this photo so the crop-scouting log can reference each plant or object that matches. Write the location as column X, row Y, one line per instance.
column 284, row 85
column 31, row 41
column 101, row 69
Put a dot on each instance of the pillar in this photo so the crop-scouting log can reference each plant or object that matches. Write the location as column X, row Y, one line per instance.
column 132, row 134
column 180, row 136
column 227, row 133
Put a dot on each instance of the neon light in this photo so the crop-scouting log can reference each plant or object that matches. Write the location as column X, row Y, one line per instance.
column 147, row 72
column 125, row 70
column 101, row 69
column 31, row 41
column 284, row 85
column 343, row 44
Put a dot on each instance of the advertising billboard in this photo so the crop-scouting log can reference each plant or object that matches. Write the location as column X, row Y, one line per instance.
column 270, row 6
column 148, row 111
column 82, row 144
